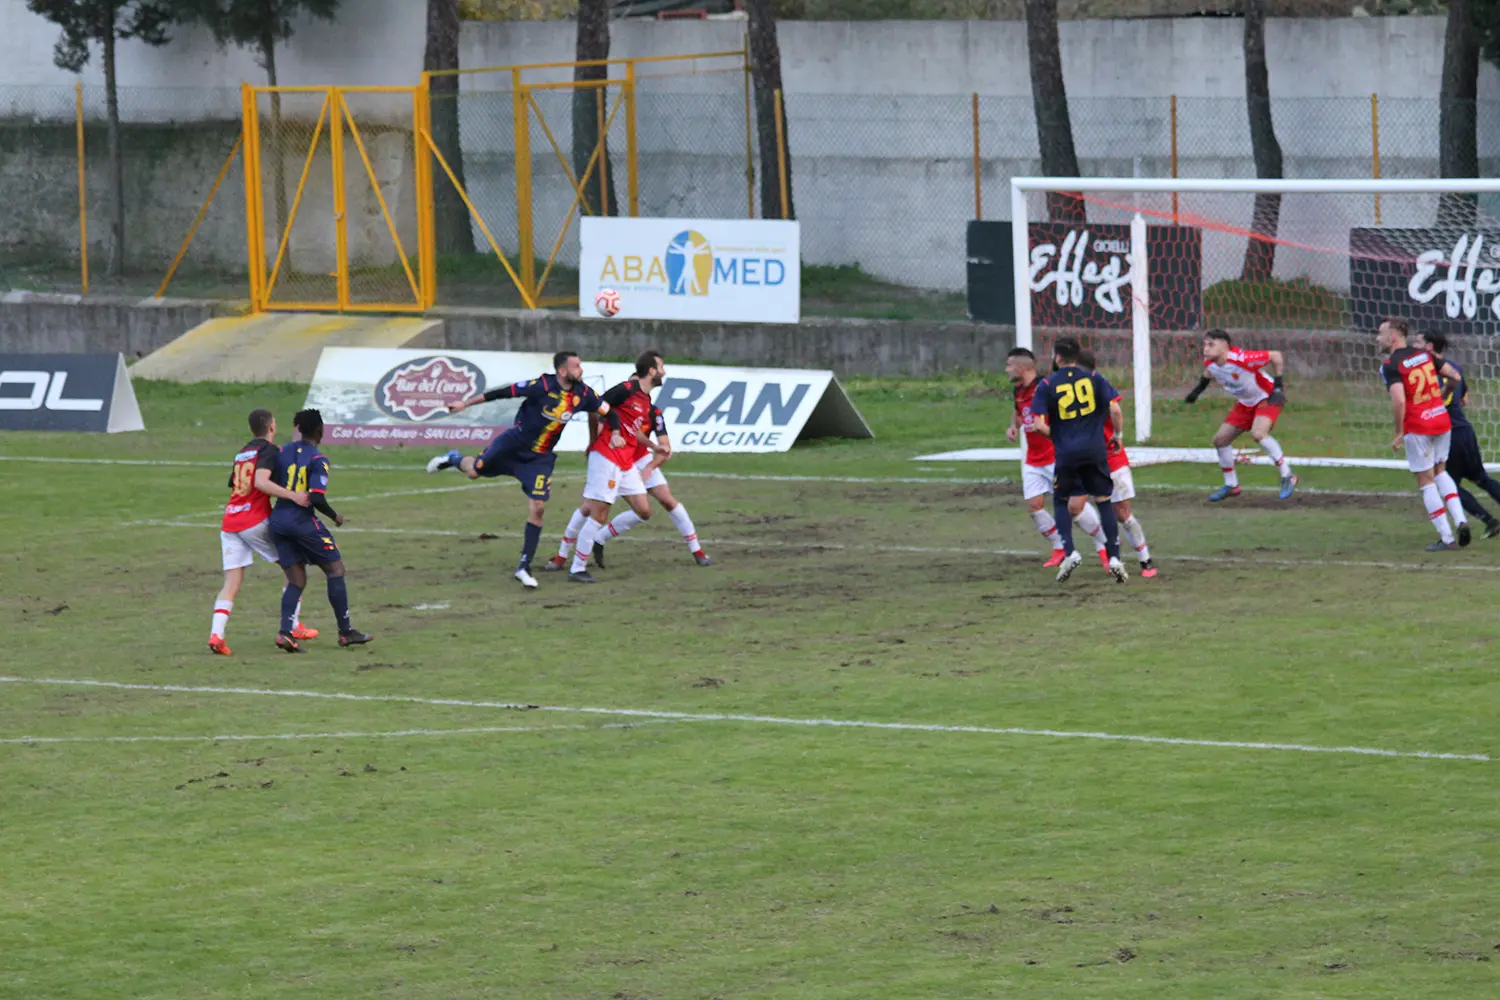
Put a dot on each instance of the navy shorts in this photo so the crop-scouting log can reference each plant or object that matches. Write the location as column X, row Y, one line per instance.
column 1087, row 477
column 510, row 455
column 1464, row 458
column 300, row 545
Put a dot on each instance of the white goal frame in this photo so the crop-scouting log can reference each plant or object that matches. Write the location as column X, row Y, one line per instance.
column 1140, row 265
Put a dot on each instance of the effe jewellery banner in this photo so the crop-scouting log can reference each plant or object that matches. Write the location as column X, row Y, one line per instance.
column 400, row 396
column 1445, row 279
column 67, row 392
column 736, row 270
column 1081, row 278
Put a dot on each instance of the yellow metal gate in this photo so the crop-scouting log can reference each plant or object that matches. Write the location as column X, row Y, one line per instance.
column 338, row 199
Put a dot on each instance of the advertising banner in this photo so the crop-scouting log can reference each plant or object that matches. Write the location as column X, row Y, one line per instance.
column 383, row 396
column 1445, row 279
column 735, row 270
column 1081, row 278
column 67, row 392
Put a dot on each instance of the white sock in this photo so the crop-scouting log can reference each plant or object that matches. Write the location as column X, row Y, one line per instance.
column 1448, row 490
column 1088, row 520
column 221, row 618
column 1226, row 466
column 1047, row 525
column 1272, row 448
column 297, row 616
column 1136, row 535
column 684, row 524
column 1432, row 502
column 570, row 536
column 586, row 537
column 623, row 522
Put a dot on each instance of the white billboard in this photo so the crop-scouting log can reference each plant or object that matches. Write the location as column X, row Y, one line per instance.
column 400, row 396
column 736, row 270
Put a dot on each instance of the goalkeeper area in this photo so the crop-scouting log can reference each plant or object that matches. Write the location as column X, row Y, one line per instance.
column 874, row 751
column 1309, row 268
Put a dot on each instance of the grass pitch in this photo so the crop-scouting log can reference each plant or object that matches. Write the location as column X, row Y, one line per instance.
column 170, row 837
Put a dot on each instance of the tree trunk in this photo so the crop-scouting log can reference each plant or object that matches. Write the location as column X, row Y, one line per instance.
column 278, row 154
column 1458, row 143
column 1049, row 96
column 589, row 105
column 765, row 75
column 1260, row 255
column 116, row 157
column 455, row 232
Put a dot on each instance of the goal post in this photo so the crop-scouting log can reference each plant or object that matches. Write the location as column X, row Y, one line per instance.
column 1138, row 268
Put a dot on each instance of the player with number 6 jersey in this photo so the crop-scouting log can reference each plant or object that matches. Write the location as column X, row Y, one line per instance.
column 1423, row 428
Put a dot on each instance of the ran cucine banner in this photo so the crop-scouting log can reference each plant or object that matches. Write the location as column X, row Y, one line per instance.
column 400, row 396
column 67, row 392
column 1445, row 278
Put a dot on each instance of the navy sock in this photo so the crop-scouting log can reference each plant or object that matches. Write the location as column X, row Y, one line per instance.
column 1111, row 524
column 1064, row 523
column 289, row 598
column 338, row 596
column 529, row 547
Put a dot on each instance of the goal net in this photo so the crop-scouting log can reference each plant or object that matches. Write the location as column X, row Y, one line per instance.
column 1308, row 268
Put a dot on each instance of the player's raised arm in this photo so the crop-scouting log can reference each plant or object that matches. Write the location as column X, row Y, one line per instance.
column 515, row 390
column 1199, row 389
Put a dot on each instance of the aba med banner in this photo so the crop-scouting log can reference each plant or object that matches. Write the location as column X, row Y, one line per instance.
column 67, row 392
column 745, row 271
column 1445, row 278
column 1081, row 277
column 400, row 396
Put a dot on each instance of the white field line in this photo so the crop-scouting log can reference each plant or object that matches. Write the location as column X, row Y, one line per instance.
column 244, row 738
column 729, row 476
column 767, row 720
column 771, row 543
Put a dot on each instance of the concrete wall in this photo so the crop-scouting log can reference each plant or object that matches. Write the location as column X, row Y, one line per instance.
column 39, row 324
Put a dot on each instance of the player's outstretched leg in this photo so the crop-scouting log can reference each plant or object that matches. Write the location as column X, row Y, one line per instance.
column 1448, row 490
column 569, row 539
column 454, row 459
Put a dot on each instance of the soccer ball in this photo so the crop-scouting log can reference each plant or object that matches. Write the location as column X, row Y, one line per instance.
column 607, row 302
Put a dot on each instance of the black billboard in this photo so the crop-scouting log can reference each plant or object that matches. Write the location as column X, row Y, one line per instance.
column 1080, row 276
column 1445, row 278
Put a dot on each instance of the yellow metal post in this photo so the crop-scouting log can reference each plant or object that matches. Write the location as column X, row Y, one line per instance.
column 978, row 193
column 340, row 229
column 522, row 124
column 749, row 142
column 426, row 211
column 83, row 199
column 1174, row 156
column 781, row 153
column 603, row 135
column 255, row 234
column 632, row 161
column 198, row 219
column 1375, row 146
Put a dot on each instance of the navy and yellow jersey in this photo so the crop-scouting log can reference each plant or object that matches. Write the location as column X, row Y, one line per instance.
column 1454, row 393
column 546, row 407
column 1075, row 402
column 300, row 468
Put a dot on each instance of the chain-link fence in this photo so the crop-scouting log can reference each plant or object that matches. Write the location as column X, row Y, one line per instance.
column 882, row 184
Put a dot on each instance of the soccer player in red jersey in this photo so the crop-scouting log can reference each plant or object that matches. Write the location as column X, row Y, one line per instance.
column 1038, row 465
column 244, row 533
column 1123, row 478
column 1258, row 402
column 612, row 471
column 1423, row 428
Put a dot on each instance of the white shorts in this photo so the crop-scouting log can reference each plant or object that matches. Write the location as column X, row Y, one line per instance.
column 1037, row 480
column 1124, row 485
column 1423, row 451
column 655, row 479
column 241, row 547
column 607, row 481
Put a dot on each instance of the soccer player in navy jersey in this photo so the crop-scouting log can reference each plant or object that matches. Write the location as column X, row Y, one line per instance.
column 1070, row 407
column 1465, row 460
column 301, row 538
column 524, row 451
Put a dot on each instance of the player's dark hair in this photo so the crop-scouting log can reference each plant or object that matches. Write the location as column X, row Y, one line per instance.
column 1087, row 360
column 1217, row 334
column 1398, row 324
column 309, row 423
column 561, row 358
column 1066, row 349
column 646, row 362
column 260, row 422
column 1021, row 352
column 1437, row 341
